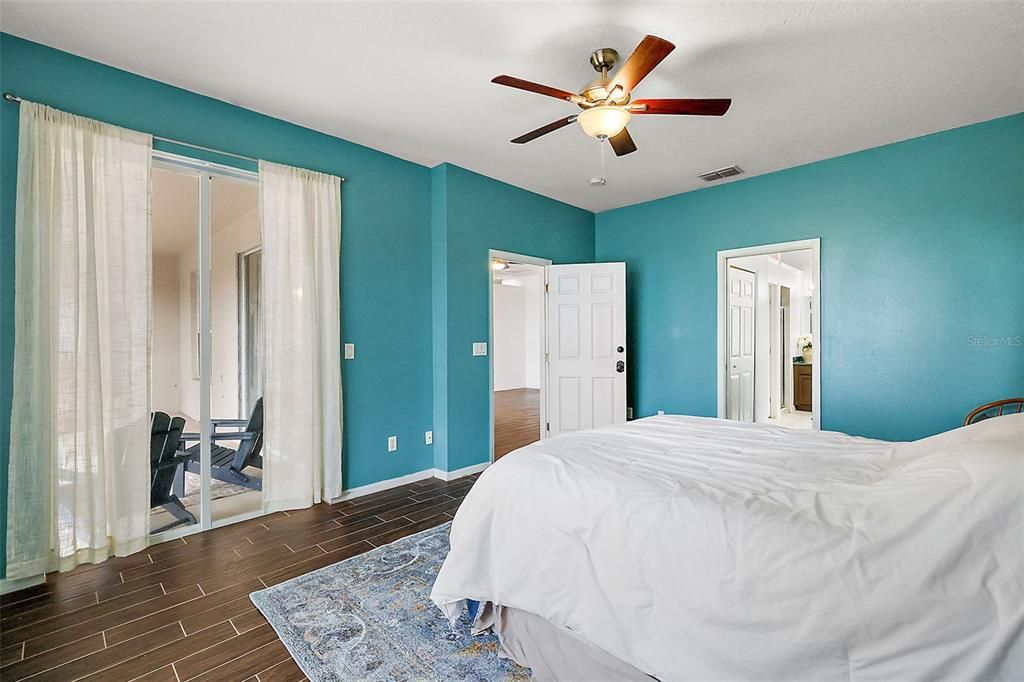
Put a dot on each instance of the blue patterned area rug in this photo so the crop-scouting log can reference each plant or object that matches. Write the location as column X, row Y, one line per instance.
column 370, row 618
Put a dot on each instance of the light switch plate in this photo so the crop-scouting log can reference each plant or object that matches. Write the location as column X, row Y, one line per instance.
column 392, row 443
column 350, row 351
column 479, row 348
column 428, row 437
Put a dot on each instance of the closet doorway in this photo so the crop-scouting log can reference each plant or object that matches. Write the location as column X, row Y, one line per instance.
column 206, row 353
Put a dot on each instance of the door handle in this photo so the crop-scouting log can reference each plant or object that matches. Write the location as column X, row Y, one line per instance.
column 620, row 366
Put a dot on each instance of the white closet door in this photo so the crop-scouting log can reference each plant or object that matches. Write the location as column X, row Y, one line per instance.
column 587, row 346
column 739, row 391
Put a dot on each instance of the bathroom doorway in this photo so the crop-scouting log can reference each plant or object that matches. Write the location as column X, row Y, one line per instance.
column 768, row 331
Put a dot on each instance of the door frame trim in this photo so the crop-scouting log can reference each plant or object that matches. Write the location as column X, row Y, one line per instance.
column 723, row 299
column 526, row 260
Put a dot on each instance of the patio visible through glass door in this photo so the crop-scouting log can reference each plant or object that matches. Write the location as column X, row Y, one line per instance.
column 206, row 364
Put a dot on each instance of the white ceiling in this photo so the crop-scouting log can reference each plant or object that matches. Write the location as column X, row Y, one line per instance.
column 800, row 259
column 176, row 208
column 516, row 272
column 808, row 81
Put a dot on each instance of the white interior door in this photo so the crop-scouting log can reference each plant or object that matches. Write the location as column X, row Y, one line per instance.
column 739, row 390
column 586, row 346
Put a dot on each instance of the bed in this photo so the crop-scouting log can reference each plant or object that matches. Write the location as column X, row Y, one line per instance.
column 691, row 548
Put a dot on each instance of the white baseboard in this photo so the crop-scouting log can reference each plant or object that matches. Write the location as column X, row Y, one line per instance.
column 384, row 485
column 459, row 473
column 20, row 583
column 409, row 478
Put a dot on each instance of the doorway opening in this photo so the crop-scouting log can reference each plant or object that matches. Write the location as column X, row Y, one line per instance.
column 206, row 357
column 518, row 347
column 769, row 334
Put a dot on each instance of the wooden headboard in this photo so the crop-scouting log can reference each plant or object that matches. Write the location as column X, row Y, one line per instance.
column 999, row 408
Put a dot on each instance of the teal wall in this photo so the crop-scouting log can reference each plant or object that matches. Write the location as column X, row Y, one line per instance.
column 922, row 255
column 482, row 214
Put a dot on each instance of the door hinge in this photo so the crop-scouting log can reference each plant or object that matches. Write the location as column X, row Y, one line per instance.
column 546, row 287
column 547, row 427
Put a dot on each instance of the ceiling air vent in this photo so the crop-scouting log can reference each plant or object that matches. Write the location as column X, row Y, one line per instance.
column 721, row 173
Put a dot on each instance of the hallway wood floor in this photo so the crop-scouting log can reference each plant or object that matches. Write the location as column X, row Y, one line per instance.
column 181, row 611
column 516, row 419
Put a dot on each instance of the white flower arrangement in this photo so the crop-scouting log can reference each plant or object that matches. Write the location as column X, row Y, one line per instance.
column 805, row 342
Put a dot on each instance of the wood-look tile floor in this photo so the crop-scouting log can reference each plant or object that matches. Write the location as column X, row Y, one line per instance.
column 516, row 419
column 181, row 611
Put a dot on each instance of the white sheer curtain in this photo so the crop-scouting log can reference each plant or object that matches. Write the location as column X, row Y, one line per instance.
column 79, row 456
column 301, row 221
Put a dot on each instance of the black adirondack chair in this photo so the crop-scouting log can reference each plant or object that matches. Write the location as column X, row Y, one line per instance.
column 165, row 462
column 227, row 464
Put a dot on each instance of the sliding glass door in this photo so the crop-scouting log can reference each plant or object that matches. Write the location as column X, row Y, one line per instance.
column 206, row 351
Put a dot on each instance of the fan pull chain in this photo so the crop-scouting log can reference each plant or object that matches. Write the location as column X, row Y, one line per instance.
column 599, row 180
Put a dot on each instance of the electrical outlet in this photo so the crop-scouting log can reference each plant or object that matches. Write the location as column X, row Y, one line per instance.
column 428, row 437
column 392, row 443
column 661, row 413
column 479, row 348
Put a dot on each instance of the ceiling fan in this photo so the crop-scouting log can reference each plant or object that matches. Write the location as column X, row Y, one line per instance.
column 606, row 102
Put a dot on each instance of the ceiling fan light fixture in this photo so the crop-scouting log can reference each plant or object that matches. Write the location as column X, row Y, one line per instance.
column 607, row 102
column 603, row 121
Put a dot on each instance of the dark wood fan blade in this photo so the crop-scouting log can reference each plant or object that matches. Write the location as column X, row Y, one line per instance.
column 544, row 130
column 645, row 57
column 529, row 86
column 622, row 143
column 686, row 107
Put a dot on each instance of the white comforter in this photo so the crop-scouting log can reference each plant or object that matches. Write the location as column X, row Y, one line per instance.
column 699, row 549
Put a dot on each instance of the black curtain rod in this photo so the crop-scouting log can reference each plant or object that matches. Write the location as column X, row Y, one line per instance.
column 11, row 97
